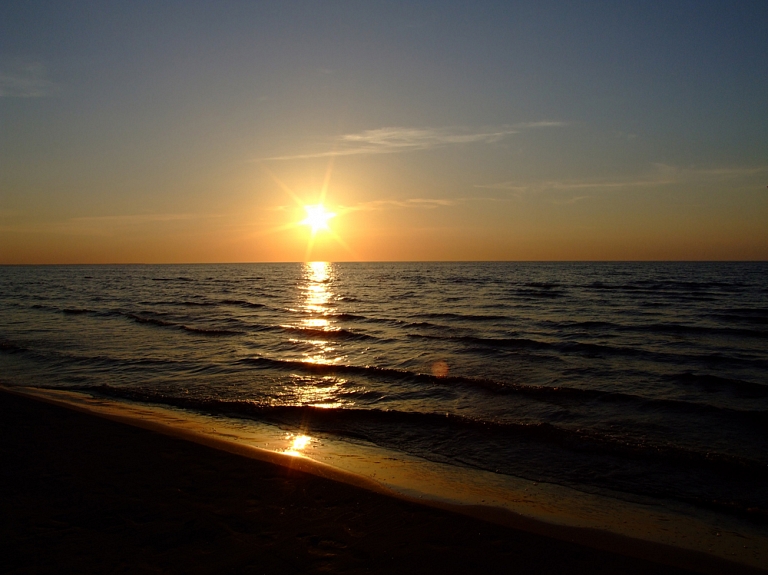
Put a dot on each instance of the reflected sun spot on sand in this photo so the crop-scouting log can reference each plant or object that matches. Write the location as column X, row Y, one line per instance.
column 299, row 443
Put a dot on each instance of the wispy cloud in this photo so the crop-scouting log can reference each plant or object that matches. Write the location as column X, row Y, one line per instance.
column 660, row 175
column 372, row 205
column 390, row 140
column 26, row 81
column 570, row 201
column 541, row 124
column 99, row 225
column 133, row 218
column 719, row 172
column 565, row 185
column 406, row 203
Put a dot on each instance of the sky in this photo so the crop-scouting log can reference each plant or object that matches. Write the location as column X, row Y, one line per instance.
column 150, row 132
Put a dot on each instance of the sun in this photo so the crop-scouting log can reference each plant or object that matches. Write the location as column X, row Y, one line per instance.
column 317, row 217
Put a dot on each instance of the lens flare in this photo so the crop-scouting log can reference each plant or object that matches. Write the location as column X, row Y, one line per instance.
column 317, row 217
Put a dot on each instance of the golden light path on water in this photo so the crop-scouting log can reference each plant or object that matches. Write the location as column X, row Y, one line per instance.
column 315, row 299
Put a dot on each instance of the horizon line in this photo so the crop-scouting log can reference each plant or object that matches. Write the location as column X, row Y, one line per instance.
column 380, row 262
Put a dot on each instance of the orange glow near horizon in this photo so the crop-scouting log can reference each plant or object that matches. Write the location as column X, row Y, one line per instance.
column 317, row 220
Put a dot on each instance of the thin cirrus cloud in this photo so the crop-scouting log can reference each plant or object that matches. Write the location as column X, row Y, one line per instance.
column 134, row 218
column 574, row 185
column 100, row 225
column 389, row 140
column 406, row 203
column 373, row 205
column 661, row 175
column 26, row 81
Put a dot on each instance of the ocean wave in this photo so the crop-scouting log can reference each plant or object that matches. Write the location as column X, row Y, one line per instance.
column 326, row 334
column 434, row 434
column 463, row 317
column 551, row 394
column 142, row 319
column 593, row 350
column 674, row 328
column 242, row 303
column 756, row 316
column 652, row 286
column 76, row 311
column 543, row 431
column 180, row 303
column 351, row 317
column 532, row 293
column 715, row 383
column 11, row 347
column 45, row 307
column 176, row 279
column 208, row 331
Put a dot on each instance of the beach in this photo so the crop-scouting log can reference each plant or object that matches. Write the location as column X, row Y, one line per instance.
column 86, row 495
column 557, row 418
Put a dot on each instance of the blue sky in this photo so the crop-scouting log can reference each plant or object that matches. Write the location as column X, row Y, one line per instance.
column 195, row 131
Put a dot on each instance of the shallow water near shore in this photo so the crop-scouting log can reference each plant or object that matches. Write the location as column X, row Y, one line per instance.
column 642, row 383
column 547, row 509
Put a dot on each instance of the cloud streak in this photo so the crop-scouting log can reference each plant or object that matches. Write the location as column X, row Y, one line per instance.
column 27, row 81
column 133, row 218
column 575, row 185
column 428, row 203
column 389, row 140
column 99, row 225
column 663, row 175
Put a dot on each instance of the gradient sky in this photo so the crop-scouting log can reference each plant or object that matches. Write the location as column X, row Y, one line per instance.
column 194, row 131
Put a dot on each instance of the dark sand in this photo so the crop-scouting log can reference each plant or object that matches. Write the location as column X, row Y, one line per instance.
column 81, row 494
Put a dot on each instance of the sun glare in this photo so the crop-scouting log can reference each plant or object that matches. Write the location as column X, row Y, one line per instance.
column 317, row 217
column 299, row 443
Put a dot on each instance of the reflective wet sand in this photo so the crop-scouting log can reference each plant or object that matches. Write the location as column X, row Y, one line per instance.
column 637, row 529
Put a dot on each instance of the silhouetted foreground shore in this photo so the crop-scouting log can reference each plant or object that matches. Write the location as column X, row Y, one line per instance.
column 85, row 495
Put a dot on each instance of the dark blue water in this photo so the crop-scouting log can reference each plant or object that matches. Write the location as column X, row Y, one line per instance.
column 641, row 380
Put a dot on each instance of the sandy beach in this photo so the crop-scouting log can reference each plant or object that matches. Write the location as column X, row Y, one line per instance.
column 87, row 495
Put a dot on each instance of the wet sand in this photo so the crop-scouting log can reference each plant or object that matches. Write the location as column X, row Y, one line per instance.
column 81, row 494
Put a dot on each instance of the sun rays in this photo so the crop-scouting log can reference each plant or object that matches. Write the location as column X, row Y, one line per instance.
column 316, row 213
column 317, row 218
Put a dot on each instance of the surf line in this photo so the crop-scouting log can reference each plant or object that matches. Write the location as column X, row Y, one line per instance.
column 635, row 530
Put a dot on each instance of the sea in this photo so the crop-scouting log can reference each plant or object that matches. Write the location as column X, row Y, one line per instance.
column 641, row 381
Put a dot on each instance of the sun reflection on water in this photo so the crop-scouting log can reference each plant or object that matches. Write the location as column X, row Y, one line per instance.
column 299, row 444
column 316, row 304
column 317, row 297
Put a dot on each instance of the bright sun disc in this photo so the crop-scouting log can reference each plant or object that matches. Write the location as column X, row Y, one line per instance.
column 317, row 217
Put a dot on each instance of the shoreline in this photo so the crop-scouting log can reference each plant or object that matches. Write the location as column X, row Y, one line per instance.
column 509, row 523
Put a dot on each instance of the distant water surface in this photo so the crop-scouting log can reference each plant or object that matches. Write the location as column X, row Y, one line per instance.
column 645, row 381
